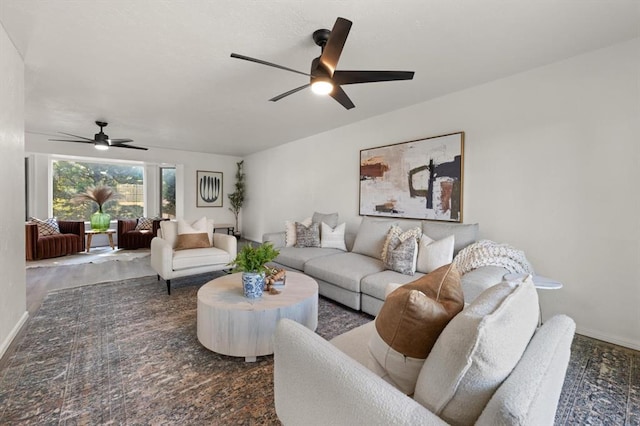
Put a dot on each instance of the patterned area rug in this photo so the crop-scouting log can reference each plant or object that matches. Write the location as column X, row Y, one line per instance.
column 126, row 353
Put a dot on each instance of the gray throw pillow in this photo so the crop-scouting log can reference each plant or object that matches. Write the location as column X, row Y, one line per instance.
column 401, row 256
column 307, row 236
column 330, row 219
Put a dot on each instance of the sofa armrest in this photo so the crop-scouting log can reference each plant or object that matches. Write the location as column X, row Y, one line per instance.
column 475, row 282
column 226, row 242
column 126, row 225
column 162, row 257
column 30, row 240
column 317, row 384
column 73, row 227
column 156, row 226
column 529, row 396
column 275, row 238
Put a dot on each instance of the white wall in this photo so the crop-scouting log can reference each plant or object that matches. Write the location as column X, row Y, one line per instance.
column 13, row 305
column 40, row 151
column 551, row 167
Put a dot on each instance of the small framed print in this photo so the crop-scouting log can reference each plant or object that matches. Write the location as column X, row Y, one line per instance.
column 208, row 189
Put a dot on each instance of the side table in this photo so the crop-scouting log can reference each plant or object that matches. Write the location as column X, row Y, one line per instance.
column 539, row 281
column 91, row 232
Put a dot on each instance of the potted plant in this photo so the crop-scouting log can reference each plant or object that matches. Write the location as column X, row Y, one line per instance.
column 100, row 220
column 236, row 198
column 251, row 261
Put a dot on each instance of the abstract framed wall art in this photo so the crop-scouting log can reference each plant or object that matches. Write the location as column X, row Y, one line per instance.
column 209, row 189
column 420, row 179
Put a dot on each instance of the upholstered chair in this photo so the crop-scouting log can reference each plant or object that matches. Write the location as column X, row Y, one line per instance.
column 69, row 240
column 131, row 238
column 175, row 254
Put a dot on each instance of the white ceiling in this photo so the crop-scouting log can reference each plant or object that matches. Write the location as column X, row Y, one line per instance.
column 159, row 71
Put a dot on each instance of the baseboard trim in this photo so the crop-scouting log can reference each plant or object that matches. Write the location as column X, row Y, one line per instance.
column 14, row 332
column 616, row 340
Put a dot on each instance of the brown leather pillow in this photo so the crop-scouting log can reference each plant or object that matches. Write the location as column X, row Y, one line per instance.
column 191, row 241
column 413, row 316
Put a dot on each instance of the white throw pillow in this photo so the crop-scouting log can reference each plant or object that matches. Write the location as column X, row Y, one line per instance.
column 290, row 231
column 333, row 237
column 434, row 254
column 477, row 351
column 197, row 227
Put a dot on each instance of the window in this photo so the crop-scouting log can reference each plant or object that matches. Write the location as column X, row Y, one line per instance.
column 168, row 191
column 74, row 177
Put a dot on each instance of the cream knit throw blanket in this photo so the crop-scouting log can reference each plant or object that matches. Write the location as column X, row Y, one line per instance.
column 487, row 252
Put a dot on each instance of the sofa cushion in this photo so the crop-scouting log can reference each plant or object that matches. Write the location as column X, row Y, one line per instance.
column 193, row 258
column 290, row 231
column 344, row 270
column 477, row 351
column 464, row 234
column 295, row 258
column 375, row 284
column 355, row 344
column 330, row 219
column 332, row 237
column 411, row 319
column 434, row 254
column 401, row 256
column 371, row 236
column 476, row 281
column 307, row 236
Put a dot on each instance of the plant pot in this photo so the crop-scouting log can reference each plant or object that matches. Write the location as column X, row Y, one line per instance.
column 100, row 221
column 252, row 284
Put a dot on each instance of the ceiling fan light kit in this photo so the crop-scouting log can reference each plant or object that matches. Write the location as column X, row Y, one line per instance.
column 324, row 79
column 322, row 86
column 101, row 140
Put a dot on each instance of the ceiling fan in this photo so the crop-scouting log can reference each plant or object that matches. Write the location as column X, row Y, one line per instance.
column 324, row 78
column 100, row 140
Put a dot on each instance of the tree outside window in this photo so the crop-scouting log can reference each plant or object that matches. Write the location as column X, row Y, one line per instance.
column 168, row 186
column 73, row 177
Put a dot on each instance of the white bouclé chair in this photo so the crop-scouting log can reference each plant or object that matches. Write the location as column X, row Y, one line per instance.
column 170, row 263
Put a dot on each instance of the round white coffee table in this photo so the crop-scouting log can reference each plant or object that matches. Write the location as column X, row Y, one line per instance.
column 231, row 324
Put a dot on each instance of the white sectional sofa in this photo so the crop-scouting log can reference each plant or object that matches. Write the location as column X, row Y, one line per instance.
column 357, row 278
column 491, row 365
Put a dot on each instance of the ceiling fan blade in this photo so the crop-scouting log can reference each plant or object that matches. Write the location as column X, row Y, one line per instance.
column 339, row 95
column 259, row 61
column 130, row 147
column 119, row 141
column 69, row 140
column 355, row 77
column 332, row 50
column 76, row 136
column 290, row 92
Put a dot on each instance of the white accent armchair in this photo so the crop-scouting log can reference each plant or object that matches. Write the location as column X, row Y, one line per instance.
column 169, row 263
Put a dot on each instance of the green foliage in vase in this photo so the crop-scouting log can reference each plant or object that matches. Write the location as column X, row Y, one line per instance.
column 254, row 259
column 236, row 198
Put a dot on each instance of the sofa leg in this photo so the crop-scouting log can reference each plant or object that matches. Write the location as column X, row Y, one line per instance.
column 169, row 287
column 158, row 277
